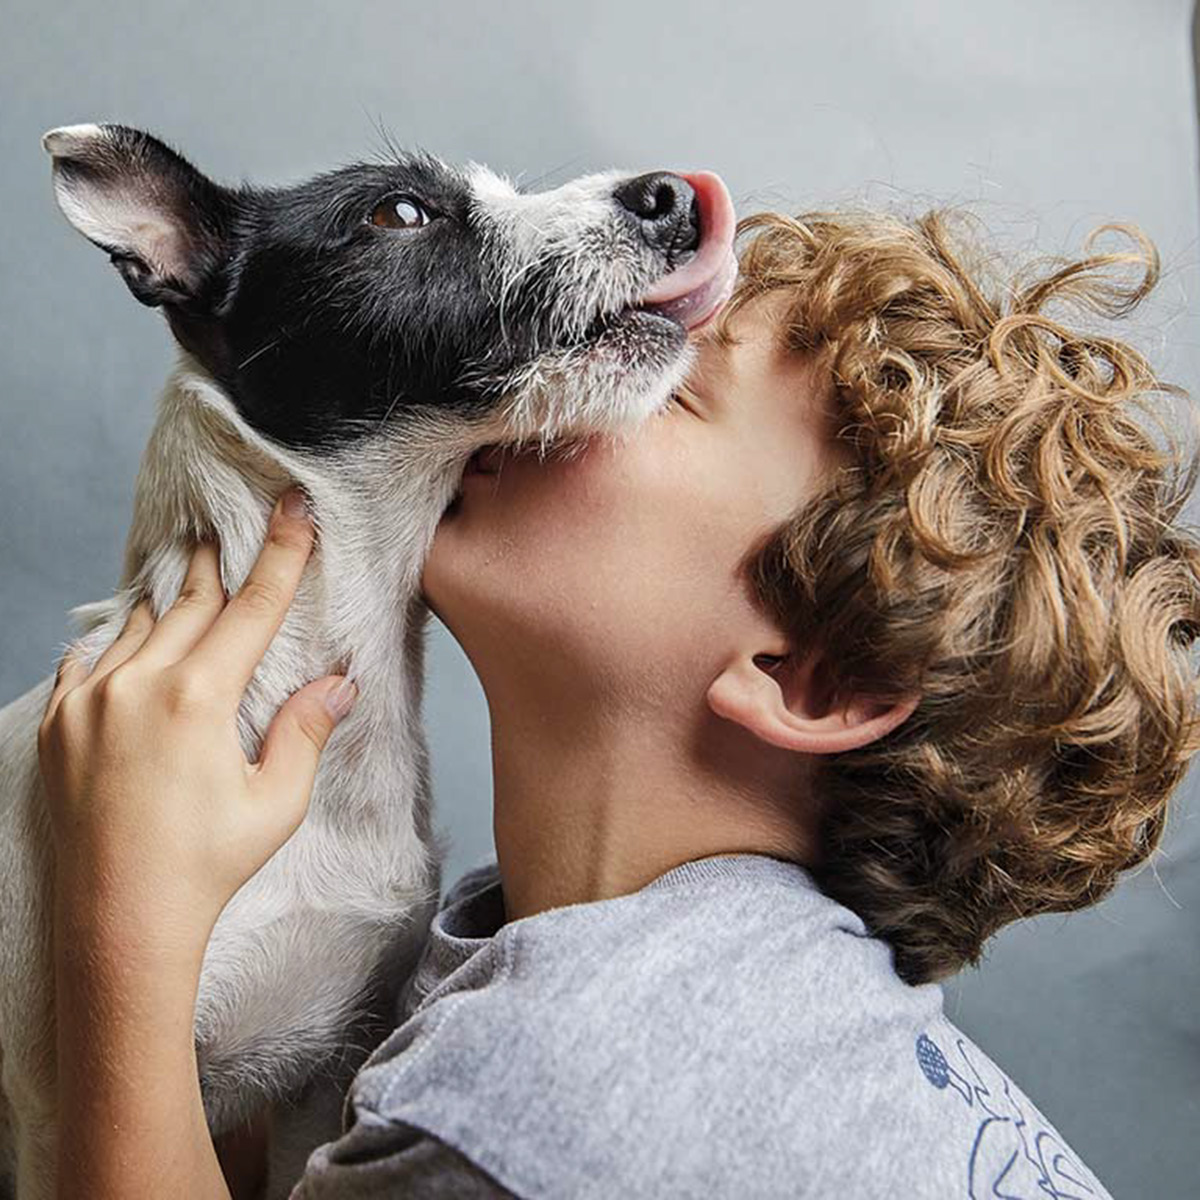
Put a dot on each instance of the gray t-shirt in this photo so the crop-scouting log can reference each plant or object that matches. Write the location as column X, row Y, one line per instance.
column 727, row 1030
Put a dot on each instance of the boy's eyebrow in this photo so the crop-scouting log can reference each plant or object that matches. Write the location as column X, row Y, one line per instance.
column 712, row 358
column 712, row 338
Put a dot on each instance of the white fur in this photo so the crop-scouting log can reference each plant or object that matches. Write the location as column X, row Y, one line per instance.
column 67, row 139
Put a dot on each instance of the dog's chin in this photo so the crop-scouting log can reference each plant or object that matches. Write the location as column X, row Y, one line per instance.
column 634, row 337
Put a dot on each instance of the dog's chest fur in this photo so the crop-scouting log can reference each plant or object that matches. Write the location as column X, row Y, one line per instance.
column 343, row 905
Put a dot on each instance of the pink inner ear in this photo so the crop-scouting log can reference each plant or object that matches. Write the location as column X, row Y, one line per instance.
column 119, row 218
column 124, row 215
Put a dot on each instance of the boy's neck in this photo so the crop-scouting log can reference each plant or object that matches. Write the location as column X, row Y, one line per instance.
column 602, row 809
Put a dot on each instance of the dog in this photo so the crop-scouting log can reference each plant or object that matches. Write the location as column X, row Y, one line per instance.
column 369, row 334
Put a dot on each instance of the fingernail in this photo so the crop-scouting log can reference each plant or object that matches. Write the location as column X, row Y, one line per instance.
column 295, row 503
column 339, row 700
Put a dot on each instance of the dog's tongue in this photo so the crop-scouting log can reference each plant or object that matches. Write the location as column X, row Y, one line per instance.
column 693, row 293
column 694, row 308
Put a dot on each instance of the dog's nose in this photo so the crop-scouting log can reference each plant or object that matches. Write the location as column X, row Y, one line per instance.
column 666, row 210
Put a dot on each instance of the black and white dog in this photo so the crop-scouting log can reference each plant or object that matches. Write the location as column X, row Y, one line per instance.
column 365, row 334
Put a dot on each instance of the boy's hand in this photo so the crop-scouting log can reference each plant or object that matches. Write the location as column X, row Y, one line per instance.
column 158, row 818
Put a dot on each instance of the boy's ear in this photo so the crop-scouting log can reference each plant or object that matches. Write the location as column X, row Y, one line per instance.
column 790, row 704
column 165, row 226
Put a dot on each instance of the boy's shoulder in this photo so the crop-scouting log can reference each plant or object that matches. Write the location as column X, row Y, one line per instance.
column 728, row 1029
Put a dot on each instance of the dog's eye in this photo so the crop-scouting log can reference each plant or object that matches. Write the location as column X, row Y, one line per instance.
column 400, row 212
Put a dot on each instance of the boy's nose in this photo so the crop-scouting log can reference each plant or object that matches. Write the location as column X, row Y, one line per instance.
column 666, row 211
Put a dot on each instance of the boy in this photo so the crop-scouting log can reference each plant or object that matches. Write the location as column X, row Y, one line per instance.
column 875, row 641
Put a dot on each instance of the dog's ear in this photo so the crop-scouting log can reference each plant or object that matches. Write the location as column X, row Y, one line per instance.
column 165, row 225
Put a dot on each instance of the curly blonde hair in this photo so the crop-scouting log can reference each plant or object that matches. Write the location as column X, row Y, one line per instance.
column 1004, row 541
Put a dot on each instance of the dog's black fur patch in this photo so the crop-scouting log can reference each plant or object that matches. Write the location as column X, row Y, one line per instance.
column 328, row 324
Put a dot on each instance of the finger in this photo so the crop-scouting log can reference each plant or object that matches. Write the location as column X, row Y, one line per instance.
column 292, row 749
column 70, row 673
column 232, row 648
column 199, row 603
column 137, row 628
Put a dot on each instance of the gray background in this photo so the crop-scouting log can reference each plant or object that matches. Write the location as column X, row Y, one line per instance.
column 1048, row 115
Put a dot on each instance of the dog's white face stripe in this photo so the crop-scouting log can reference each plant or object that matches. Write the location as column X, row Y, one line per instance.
column 575, row 236
column 526, row 225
